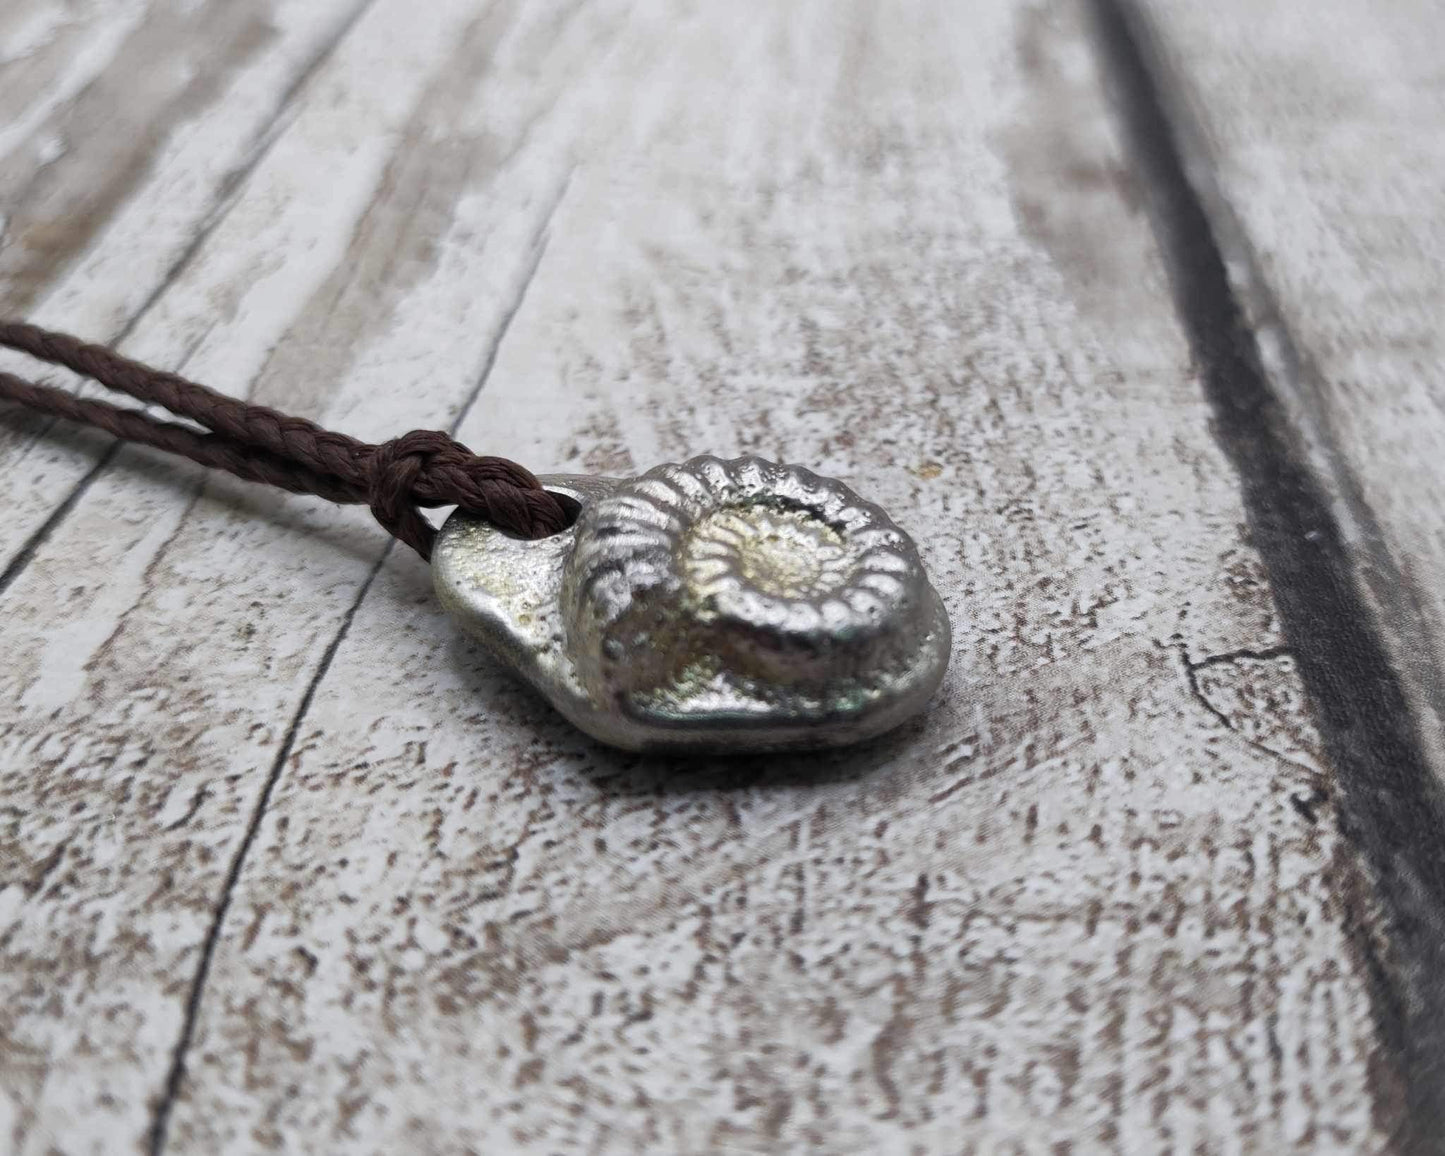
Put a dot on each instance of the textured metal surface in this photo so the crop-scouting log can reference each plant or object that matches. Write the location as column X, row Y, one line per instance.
column 713, row 605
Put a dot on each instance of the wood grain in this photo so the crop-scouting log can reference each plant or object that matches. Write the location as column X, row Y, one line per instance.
column 1318, row 141
column 1353, row 570
column 289, row 865
column 148, row 118
column 165, row 738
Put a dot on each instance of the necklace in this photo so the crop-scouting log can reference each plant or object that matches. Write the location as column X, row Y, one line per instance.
column 711, row 605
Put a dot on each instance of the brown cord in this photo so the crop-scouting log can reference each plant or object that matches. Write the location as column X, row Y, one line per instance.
column 396, row 478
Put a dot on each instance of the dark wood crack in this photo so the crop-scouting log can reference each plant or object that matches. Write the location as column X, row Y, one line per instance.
column 176, row 1074
column 1390, row 804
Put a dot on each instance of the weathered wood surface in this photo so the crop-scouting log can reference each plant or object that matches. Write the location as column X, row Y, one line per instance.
column 1323, row 139
column 286, row 864
column 1329, row 181
column 1310, row 161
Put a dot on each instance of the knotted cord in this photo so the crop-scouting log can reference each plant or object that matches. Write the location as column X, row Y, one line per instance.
column 396, row 478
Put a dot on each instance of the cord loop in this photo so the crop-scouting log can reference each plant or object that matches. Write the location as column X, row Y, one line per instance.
column 396, row 478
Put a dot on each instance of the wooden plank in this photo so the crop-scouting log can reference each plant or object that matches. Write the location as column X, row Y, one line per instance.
column 1322, row 135
column 135, row 123
column 1097, row 893
column 266, row 814
column 321, row 288
column 50, row 51
column 1302, row 203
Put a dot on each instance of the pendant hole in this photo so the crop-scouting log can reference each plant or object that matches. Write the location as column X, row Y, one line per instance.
column 571, row 507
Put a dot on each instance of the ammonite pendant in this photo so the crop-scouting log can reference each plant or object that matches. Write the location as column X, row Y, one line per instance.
column 709, row 606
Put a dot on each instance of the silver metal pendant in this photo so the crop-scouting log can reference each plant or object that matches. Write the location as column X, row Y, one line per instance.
column 709, row 606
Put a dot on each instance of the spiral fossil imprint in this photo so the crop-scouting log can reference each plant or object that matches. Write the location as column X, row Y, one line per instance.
column 712, row 605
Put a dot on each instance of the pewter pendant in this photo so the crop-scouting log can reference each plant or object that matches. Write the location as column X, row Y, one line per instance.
column 709, row 606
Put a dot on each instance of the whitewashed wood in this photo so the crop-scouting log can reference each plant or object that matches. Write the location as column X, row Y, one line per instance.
column 1095, row 896
column 1323, row 136
column 50, row 52
column 332, row 197
column 146, row 117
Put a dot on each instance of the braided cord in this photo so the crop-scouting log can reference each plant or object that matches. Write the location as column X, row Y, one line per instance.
column 396, row 478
